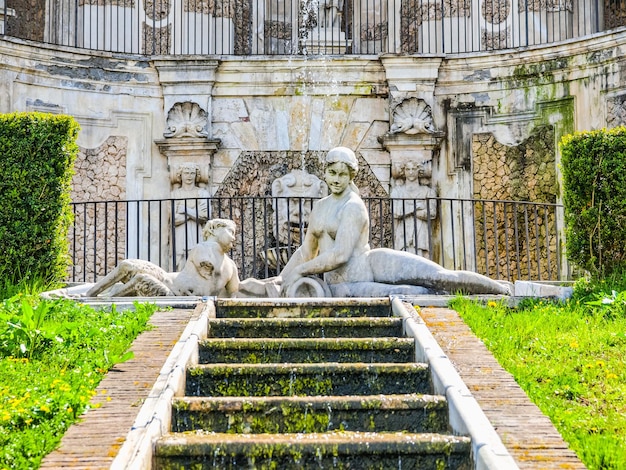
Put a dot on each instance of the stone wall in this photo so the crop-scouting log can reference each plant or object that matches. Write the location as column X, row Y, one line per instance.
column 511, row 239
column 100, row 176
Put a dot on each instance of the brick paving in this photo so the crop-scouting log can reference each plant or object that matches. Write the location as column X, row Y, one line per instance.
column 526, row 432
column 94, row 442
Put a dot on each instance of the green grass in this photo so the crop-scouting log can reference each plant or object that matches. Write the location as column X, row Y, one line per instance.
column 53, row 354
column 570, row 358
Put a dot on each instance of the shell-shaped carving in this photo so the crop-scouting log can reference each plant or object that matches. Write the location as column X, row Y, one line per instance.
column 186, row 120
column 412, row 116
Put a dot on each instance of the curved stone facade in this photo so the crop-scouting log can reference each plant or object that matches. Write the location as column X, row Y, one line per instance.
column 484, row 108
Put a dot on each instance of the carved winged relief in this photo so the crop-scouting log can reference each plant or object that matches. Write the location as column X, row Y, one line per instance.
column 412, row 116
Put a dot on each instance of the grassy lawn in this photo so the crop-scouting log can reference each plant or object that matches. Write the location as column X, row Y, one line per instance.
column 53, row 354
column 570, row 359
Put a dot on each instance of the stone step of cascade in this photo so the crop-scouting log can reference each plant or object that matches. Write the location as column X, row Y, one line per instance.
column 413, row 413
column 307, row 350
column 328, row 378
column 318, row 308
column 354, row 450
column 309, row 388
column 362, row 327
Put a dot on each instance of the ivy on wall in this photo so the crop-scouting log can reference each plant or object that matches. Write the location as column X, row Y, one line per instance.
column 37, row 158
column 594, row 198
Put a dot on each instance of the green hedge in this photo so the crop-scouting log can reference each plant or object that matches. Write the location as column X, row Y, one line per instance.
column 594, row 196
column 37, row 153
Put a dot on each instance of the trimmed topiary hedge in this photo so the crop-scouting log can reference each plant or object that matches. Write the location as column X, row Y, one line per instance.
column 37, row 153
column 594, row 195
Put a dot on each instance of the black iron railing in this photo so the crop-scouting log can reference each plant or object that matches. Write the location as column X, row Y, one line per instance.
column 269, row 27
column 503, row 239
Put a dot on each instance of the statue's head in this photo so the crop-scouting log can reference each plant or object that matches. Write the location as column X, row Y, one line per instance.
column 214, row 224
column 343, row 155
column 346, row 156
column 188, row 170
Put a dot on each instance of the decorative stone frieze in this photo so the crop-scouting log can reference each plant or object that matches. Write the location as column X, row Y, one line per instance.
column 157, row 9
column 494, row 40
column 495, row 11
column 546, row 5
column 616, row 111
column 162, row 39
column 215, row 8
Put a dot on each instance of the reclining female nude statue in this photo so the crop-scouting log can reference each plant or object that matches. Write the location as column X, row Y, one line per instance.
column 208, row 270
column 336, row 245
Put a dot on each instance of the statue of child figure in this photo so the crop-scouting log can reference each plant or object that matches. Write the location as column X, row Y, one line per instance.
column 208, row 271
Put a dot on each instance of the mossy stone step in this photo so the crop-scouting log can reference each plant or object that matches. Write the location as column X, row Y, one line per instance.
column 264, row 350
column 338, row 450
column 259, row 308
column 307, row 379
column 410, row 413
column 305, row 327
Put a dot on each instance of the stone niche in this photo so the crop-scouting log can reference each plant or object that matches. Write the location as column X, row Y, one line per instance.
column 524, row 172
column 252, row 175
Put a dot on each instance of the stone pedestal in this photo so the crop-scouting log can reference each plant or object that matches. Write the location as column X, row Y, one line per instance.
column 417, row 147
column 199, row 150
column 328, row 41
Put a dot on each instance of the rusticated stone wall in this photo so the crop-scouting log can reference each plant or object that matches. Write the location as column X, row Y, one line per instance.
column 100, row 176
column 508, row 234
column 29, row 19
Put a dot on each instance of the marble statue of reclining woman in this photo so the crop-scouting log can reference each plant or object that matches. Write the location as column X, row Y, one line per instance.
column 336, row 245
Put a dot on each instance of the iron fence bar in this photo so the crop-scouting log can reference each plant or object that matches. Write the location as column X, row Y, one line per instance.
column 463, row 229
column 473, row 209
column 527, row 241
column 243, row 253
column 537, row 248
column 149, row 231
column 85, row 243
column 106, row 241
column 173, row 233
column 495, row 238
column 442, row 250
column 557, row 244
column 517, row 241
column 454, row 265
column 266, row 238
column 429, row 227
column 254, row 253
column 74, row 211
column 116, row 234
column 547, row 231
column 484, row 218
column 506, row 242
column 95, row 236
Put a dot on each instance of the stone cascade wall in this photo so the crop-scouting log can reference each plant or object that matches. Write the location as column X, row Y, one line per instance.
column 513, row 240
column 100, row 176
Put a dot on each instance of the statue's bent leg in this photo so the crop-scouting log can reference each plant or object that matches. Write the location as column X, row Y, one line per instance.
column 124, row 272
column 120, row 272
